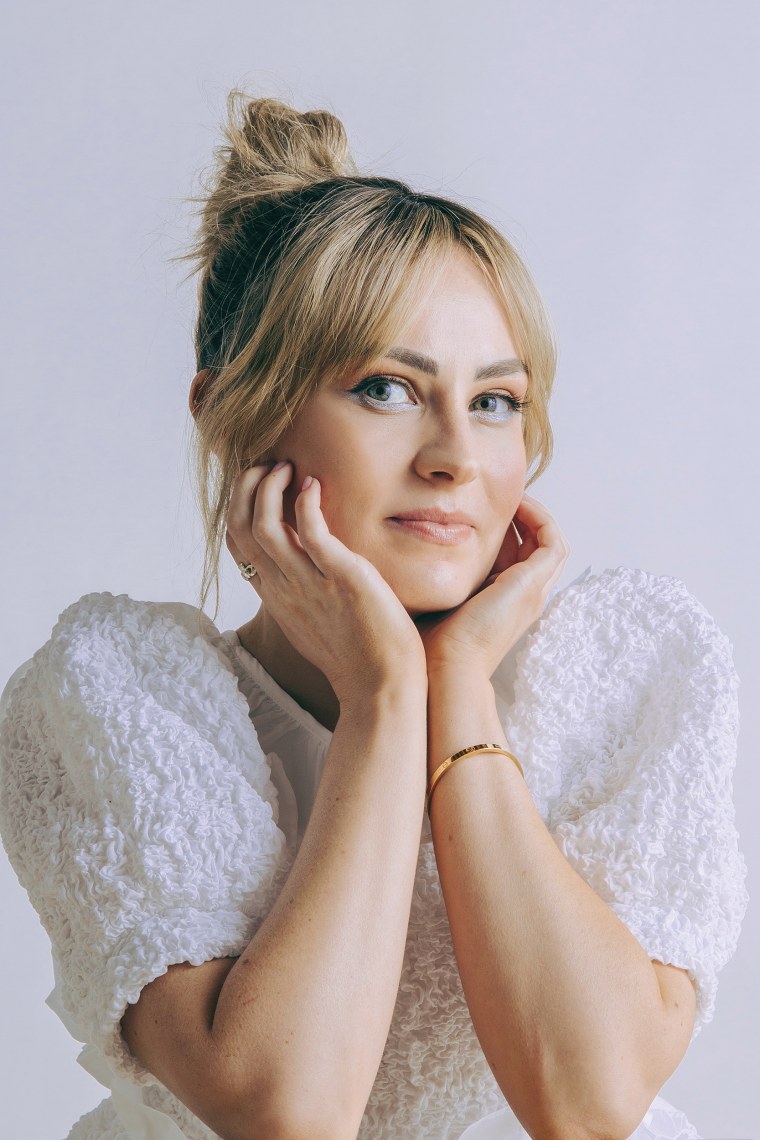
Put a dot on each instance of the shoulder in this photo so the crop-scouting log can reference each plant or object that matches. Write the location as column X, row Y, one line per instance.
column 622, row 653
column 127, row 683
column 130, row 711
column 630, row 591
column 103, row 640
column 138, row 628
column 632, row 612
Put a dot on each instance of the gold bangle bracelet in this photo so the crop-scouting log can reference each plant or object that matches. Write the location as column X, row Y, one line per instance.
column 472, row 750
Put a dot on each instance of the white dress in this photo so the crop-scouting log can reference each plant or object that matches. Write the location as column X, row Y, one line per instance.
column 155, row 783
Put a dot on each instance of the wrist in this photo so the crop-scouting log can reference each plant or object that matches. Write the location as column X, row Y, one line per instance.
column 403, row 678
column 463, row 661
column 395, row 695
column 469, row 679
column 461, row 712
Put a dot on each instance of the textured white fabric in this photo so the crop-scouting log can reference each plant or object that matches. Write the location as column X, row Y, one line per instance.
column 155, row 783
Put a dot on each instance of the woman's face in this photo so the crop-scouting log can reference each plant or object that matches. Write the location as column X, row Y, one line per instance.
column 431, row 426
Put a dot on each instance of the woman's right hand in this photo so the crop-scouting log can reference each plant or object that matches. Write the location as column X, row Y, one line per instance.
column 332, row 604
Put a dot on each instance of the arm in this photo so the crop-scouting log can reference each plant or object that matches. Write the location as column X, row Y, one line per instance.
column 565, row 1002
column 563, row 998
column 287, row 1041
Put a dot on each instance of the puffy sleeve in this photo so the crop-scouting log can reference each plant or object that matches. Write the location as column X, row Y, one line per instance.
column 626, row 712
column 136, row 806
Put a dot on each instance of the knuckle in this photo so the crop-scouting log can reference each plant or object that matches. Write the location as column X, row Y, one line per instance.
column 309, row 534
column 233, row 536
column 261, row 531
column 233, row 520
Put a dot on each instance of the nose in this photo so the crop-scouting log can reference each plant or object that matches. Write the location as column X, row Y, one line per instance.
column 448, row 453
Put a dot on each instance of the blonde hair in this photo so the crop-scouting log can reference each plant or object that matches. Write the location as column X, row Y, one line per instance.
column 308, row 268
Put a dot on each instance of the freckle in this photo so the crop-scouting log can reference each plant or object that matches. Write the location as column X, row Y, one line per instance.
column 451, row 836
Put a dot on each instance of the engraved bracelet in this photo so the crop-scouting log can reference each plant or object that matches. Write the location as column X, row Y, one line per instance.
column 451, row 760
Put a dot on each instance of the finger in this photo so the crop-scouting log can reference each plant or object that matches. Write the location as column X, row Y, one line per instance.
column 528, row 539
column 546, row 547
column 242, row 559
column 268, row 526
column 240, row 505
column 537, row 526
column 329, row 553
column 326, row 551
column 240, row 539
column 526, row 526
column 547, row 564
column 509, row 552
column 313, row 530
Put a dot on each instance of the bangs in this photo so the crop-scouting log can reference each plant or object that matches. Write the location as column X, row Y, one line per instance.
column 370, row 273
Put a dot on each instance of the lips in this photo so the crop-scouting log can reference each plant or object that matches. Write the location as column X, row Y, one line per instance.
column 431, row 524
column 436, row 515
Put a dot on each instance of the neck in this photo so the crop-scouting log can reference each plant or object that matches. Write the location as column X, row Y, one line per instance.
column 300, row 679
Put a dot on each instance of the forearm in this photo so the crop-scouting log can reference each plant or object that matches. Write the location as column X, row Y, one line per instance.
column 562, row 996
column 314, row 991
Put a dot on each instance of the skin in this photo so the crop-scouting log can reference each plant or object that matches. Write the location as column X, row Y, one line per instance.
column 451, row 441
column 351, row 605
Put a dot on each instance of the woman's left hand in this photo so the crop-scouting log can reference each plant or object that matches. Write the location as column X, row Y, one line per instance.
column 478, row 633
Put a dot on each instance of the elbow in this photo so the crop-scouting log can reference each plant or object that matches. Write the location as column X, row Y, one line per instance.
column 614, row 1114
column 250, row 1115
column 616, row 1122
column 625, row 1110
column 598, row 1129
column 277, row 1128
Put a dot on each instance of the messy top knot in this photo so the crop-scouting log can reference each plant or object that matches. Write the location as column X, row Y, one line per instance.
column 271, row 150
column 268, row 140
column 307, row 269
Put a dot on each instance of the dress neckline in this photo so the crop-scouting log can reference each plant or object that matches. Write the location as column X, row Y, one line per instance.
column 321, row 735
column 276, row 693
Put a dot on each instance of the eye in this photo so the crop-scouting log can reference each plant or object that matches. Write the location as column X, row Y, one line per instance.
column 388, row 392
column 499, row 405
column 378, row 391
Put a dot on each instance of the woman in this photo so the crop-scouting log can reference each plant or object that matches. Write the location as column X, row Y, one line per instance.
column 426, row 848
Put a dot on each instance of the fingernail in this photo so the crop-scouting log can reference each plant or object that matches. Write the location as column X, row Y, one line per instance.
column 282, row 463
column 307, row 483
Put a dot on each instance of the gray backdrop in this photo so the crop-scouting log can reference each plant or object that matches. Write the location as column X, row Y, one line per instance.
column 614, row 142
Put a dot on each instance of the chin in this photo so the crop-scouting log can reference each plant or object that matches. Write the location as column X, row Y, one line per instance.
column 430, row 593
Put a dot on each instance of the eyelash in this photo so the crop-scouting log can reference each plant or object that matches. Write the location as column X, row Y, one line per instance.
column 360, row 389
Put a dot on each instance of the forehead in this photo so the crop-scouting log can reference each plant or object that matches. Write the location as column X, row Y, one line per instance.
column 457, row 306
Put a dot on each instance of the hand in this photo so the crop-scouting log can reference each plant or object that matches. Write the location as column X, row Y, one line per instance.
column 333, row 606
column 479, row 632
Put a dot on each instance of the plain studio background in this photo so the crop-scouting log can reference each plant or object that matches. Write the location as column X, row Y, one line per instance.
column 616, row 145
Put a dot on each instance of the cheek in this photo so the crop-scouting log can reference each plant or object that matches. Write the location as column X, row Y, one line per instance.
column 350, row 492
column 312, row 451
column 504, row 494
column 352, row 513
column 506, row 483
column 356, row 476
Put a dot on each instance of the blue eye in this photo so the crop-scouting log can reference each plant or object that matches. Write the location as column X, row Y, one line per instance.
column 510, row 405
column 365, row 388
column 376, row 392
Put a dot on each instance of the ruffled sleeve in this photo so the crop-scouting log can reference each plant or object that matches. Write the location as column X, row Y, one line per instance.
column 625, row 710
column 136, row 806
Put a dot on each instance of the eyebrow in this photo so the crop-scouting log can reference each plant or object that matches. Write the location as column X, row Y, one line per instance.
column 428, row 365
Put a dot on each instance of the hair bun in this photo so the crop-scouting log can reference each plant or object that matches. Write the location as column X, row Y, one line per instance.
column 273, row 148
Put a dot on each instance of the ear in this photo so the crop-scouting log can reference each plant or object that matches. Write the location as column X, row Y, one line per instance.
column 197, row 390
